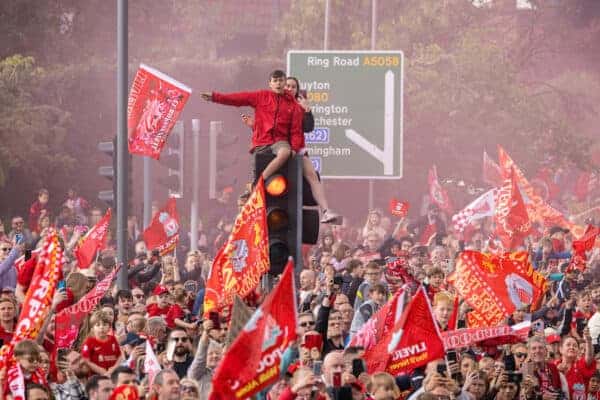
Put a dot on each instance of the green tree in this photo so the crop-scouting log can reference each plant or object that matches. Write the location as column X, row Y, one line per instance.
column 32, row 131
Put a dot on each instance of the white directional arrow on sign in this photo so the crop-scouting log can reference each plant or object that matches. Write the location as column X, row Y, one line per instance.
column 385, row 156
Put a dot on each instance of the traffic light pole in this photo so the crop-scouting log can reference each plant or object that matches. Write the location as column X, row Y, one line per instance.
column 195, row 185
column 122, row 159
column 147, row 191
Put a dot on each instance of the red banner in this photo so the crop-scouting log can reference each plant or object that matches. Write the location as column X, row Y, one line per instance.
column 244, row 258
column 69, row 319
column 253, row 361
column 496, row 285
column 37, row 303
column 93, row 241
column 537, row 208
column 163, row 232
column 491, row 171
column 378, row 326
column 38, row 299
column 502, row 334
column 511, row 218
column 583, row 245
column 437, row 193
column 154, row 104
column 399, row 208
column 414, row 341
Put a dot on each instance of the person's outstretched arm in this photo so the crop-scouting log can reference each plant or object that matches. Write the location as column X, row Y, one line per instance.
column 233, row 99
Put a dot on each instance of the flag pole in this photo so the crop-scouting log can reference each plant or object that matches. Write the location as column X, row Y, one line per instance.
column 122, row 156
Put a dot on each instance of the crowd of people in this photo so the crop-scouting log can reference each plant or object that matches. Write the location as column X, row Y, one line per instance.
column 345, row 280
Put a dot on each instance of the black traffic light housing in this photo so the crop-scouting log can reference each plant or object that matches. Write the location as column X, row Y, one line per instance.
column 110, row 172
column 289, row 224
column 172, row 158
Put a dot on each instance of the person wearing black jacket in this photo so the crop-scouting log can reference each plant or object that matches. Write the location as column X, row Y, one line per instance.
column 329, row 325
column 143, row 273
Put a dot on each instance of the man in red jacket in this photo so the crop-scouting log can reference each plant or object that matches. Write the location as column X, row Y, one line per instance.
column 278, row 120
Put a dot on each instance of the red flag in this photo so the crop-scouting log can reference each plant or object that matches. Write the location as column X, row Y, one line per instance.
column 399, row 208
column 253, row 361
column 244, row 258
column 502, row 334
column 453, row 321
column 414, row 341
column 163, row 232
column 380, row 324
column 537, row 208
column 495, row 286
column 581, row 246
column 437, row 193
column 154, row 104
column 37, row 303
column 38, row 299
column 491, row 171
column 69, row 319
column 511, row 218
column 93, row 241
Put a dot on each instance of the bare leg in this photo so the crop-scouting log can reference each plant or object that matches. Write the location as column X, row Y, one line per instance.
column 315, row 185
column 280, row 158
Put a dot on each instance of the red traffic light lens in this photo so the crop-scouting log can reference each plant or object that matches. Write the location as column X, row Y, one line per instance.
column 277, row 220
column 276, row 185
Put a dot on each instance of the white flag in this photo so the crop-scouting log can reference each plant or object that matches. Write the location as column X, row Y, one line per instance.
column 481, row 207
column 151, row 365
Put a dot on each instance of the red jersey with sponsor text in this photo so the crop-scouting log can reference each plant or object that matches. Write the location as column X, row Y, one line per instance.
column 103, row 353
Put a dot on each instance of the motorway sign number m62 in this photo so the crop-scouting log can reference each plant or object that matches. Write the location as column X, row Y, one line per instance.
column 356, row 99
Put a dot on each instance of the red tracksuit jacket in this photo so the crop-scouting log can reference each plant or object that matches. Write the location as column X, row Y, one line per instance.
column 277, row 116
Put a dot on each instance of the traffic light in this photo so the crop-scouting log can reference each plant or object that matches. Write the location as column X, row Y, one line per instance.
column 221, row 162
column 172, row 158
column 110, row 172
column 283, row 195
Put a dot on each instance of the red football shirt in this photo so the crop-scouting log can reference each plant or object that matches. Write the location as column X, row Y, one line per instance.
column 6, row 337
column 103, row 353
column 154, row 310
column 175, row 311
column 578, row 378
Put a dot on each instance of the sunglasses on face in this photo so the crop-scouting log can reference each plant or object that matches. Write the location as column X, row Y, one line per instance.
column 520, row 355
column 306, row 324
column 188, row 389
column 180, row 339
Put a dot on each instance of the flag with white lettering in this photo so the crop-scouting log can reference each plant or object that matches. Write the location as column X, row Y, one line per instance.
column 414, row 341
column 93, row 241
column 154, row 104
column 69, row 320
column 253, row 361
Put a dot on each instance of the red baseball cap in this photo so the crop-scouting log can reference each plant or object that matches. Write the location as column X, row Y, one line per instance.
column 160, row 289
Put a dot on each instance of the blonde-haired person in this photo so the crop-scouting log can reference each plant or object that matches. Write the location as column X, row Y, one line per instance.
column 170, row 270
column 443, row 306
column 374, row 224
column 382, row 386
column 189, row 388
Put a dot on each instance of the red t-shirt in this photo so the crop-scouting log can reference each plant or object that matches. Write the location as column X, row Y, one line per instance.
column 175, row 311
column 154, row 310
column 103, row 353
column 578, row 378
column 6, row 337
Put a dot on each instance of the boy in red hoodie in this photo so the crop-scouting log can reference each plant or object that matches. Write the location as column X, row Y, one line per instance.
column 278, row 121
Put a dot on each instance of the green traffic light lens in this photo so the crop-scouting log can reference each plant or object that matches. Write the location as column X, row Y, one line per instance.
column 277, row 220
column 278, row 256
